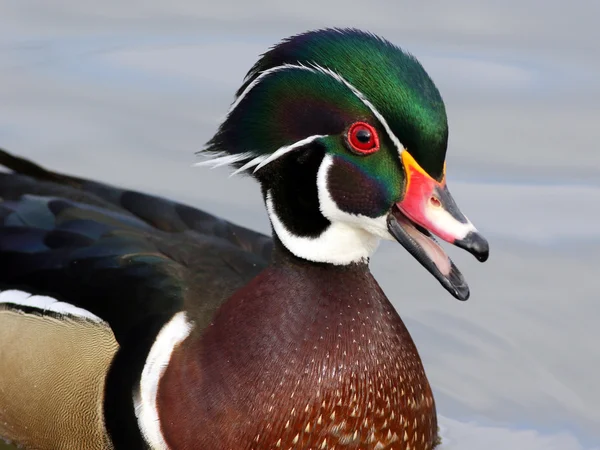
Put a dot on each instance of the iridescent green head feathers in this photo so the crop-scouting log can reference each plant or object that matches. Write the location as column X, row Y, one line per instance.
column 321, row 121
column 300, row 88
column 347, row 135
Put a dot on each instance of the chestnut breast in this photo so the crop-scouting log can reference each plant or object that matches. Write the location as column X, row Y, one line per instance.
column 313, row 358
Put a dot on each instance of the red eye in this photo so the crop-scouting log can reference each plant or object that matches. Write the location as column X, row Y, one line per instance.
column 363, row 138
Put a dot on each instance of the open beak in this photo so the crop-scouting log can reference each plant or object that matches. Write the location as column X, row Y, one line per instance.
column 428, row 209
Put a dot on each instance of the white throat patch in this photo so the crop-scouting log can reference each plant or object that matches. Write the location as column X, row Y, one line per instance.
column 350, row 238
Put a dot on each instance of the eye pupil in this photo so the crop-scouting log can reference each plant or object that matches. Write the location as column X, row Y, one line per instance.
column 363, row 135
column 362, row 138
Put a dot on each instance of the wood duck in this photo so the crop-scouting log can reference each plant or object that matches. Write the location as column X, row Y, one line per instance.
column 129, row 321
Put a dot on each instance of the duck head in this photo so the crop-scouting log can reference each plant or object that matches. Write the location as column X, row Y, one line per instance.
column 347, row 135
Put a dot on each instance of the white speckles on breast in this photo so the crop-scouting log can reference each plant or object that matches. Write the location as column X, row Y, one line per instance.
column 352, row 383
column 363, row 406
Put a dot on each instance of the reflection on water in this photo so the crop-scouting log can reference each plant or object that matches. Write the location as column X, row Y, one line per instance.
column 127, row 96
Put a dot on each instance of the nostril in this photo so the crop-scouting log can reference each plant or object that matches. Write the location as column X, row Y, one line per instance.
column 435, row 202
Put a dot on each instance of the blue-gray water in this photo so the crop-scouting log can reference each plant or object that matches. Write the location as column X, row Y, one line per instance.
column 125, row 92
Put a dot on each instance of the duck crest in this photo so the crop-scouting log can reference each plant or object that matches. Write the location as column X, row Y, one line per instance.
column 327, row 364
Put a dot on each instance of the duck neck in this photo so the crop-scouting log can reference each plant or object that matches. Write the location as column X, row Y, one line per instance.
column 284, row 257
column 301, row 342
column 304, row 216
column 337, row 243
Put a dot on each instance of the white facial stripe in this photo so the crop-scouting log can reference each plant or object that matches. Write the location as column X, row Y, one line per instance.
column 262, row 160
column 286, row 149
column 367, row 103
column 257, row 80
column 223, row 159
column 448, row 224
column 46, row 304
column 258, row 161
column 144, row 400
column 253, row 162
column 316, row 68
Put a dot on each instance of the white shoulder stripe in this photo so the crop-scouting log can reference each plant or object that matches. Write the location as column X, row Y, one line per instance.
column 144, row 400
column 45, row 304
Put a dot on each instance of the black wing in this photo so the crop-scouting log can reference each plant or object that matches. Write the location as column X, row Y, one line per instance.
column 122, row 255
